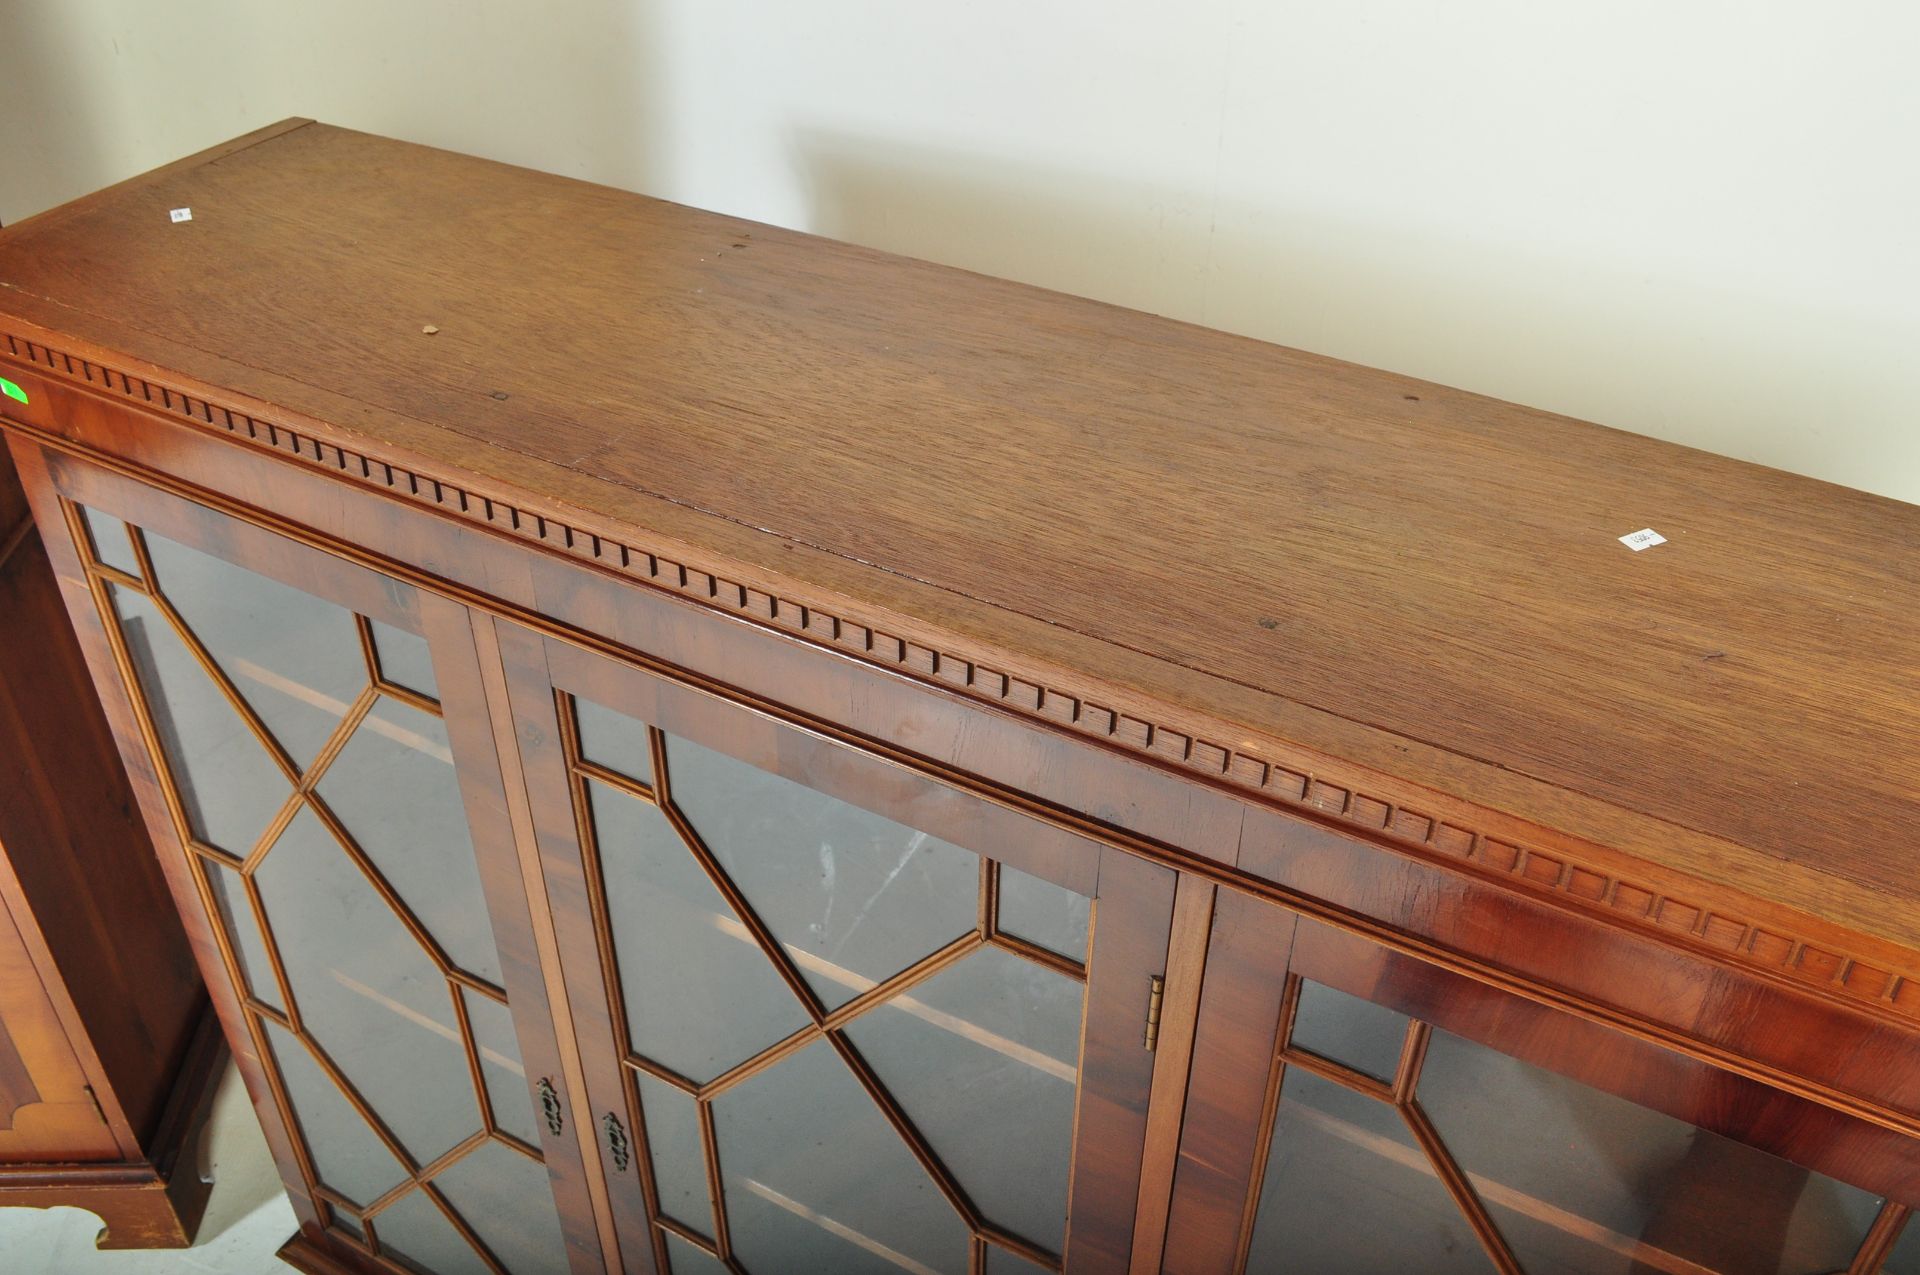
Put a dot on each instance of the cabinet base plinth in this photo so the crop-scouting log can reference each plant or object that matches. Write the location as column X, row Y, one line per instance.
column 309, row 1257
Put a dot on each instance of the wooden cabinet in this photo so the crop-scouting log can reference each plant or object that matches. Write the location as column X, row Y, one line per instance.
column 108, row 1056
column 626, row 827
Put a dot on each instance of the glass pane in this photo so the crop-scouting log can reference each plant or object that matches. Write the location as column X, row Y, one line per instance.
column 1825, row 1220
column 341, row 1220
column 1365, row 1036
column 366, row 991
column 501, row 1068
column 1348, row 1192
column 249, row 948
column 110, row 543
column 1905, row 1258
column 293, row 657
column 394, row 788
column 1043, row 913
column 504, row 1197
column 403, row 659
column 348, row 1155
column 855, row 896
column 688, row 1260
column 1583, row 1180
column 1556, row 1243
column 614, row 740
column 414, row 1228
column 817, row 1180
column 228, row 786
column 700, row 994
column 983, row 1057
column 679, row 1161
column 1001, row 1262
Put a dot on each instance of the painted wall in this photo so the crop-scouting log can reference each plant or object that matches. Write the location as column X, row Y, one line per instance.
column 1698, row 220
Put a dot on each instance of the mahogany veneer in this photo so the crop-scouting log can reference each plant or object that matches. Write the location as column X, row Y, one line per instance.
column 1328, row 692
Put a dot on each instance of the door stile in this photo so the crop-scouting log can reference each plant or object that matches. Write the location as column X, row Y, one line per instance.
column 1133, row 923
column 1233, row 1086
column 1186, row 967
column 565, row 880
column 503, row 835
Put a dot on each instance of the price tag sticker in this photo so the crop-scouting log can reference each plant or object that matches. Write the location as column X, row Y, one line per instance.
column 181, row 214
column 1645, row 538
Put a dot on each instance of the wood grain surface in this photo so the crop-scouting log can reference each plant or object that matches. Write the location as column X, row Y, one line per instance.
column 1403, row 578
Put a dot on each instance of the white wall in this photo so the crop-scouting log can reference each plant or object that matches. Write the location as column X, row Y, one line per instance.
column 1693, row 219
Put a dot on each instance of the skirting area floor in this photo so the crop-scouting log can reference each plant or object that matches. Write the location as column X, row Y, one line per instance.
column 247, row 1216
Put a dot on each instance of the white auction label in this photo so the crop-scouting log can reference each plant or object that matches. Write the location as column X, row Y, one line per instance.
column 181, row 214
column 1645, row 538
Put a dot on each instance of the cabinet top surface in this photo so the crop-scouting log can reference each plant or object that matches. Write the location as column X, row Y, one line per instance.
column 1413, row 580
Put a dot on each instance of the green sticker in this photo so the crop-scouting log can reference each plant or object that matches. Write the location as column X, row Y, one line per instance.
column 11, row 390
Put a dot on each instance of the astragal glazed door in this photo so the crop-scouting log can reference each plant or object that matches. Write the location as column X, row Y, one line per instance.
column 316, row 758
column 845, row 1015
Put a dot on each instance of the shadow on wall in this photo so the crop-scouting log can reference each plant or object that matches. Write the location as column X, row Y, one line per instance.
column 56, row 129
column 1746, row 376
column 586, row 88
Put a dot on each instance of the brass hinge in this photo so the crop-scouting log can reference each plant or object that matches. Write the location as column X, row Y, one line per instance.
column 1156, row 991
